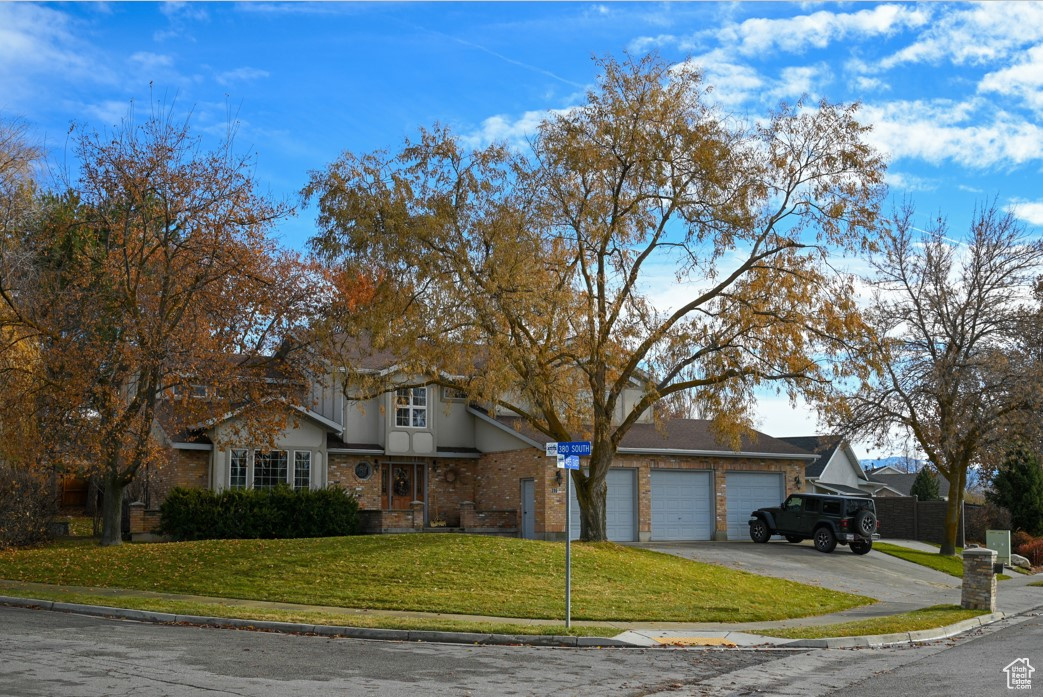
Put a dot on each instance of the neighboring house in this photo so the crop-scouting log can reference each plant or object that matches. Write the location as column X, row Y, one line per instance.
column 894, row 482
column 835, row 470
column 420, row 457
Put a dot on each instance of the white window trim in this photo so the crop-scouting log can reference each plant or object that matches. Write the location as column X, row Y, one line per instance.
column 412, row 408
column 291, row 466
column 311, row 469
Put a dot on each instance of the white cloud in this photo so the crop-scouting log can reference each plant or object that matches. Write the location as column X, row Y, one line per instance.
column 150, row 62
column 870, row 84
column 965, row 133
column 503, row 128
column 908, row 182
column 38, row 41
column 982, row 33
column 1024, row 79
column 1029, row 211
column 733, row 83
column 819, row 29
column 796, row 81
column 241, row 75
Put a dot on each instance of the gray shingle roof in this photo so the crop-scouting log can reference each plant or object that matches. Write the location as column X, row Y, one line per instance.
column 823, row 446
column 677, row 434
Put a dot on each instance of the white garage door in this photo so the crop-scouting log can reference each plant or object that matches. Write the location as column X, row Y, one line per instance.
column 745, row 493
column 681, row 505
column 621, row 507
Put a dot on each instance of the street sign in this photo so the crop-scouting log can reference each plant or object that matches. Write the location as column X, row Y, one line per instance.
column 576, row 447
column 561, row 461
column 551, row 449
column 571, row 462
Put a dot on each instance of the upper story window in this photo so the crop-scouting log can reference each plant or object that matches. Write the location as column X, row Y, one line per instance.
column 453, row 394
column 411, row 407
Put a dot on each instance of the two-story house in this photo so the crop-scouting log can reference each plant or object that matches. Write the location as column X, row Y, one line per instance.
column 420, row 457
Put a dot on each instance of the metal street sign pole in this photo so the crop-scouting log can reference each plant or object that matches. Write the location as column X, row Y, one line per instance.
column 568, row 455
column 568, row 549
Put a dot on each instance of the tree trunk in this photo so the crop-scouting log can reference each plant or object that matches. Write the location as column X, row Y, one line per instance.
column 591, row 495
column 952, row 512
column 112, row 512
column 591, row 498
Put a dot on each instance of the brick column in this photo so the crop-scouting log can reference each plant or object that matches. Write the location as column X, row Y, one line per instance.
column 137, row 518
column 418, row 514
column 979, row 580
column 467, row 517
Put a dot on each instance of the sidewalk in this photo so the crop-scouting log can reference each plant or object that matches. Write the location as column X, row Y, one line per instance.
column 1014, row 597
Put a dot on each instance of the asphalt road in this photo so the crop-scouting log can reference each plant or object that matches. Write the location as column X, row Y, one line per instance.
column 50, row 653
column 970, row 668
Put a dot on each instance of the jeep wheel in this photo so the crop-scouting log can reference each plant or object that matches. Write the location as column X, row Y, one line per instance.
column 861, row 546
column 759, row 531
column 794, row 538
column 825, row 540
column 865, row 524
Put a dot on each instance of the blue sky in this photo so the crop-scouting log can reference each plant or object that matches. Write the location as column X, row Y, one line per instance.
column 953, row 91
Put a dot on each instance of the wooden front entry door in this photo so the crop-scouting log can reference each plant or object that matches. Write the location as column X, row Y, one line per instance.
column 399, row 483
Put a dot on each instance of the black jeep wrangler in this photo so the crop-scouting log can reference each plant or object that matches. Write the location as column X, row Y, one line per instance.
column 827, row 520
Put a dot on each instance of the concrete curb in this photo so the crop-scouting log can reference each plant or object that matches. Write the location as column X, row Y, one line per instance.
column 319, row 629
column 849, row 642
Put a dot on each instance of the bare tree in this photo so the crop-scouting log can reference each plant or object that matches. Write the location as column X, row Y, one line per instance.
column 949, row 316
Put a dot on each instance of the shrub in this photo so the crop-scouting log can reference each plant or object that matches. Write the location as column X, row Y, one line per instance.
column 27, row 505
column 280, row 512
column 1019, row 538
column 1031, row 550
column 987, row 517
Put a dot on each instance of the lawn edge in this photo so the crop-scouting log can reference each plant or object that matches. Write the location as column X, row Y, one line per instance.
column 336, row 631
column 913, row 637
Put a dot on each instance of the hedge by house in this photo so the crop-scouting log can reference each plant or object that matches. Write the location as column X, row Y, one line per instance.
column 279, row 512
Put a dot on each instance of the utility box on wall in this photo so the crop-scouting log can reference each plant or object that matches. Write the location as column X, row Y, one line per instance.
column 999, row 542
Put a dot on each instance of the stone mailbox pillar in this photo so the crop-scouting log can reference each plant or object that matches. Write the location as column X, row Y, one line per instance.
column 418, row 514
column 979, row 580
column 467, row 517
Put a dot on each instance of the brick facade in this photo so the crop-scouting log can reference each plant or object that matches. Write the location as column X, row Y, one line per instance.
column 492, row 486
column 185, row 468
column 499, row 478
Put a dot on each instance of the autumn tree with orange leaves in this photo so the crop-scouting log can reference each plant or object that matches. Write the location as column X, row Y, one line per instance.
column 153, row 270
column 528, row 279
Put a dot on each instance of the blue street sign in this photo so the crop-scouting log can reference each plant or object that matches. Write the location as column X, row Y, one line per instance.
column 572, row 462
column 576, row 447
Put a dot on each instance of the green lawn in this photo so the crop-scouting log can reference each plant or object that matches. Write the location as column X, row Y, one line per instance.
column 925, row 618
column 226, row 609
column 460, row 574
column 949, row 565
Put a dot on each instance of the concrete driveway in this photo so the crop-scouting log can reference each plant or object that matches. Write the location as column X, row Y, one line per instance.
column 876, row 574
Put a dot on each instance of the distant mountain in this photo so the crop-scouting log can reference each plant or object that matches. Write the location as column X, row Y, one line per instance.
column 899, row 462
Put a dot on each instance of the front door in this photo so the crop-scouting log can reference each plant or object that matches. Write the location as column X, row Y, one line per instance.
column 528, row 497
column 398, row 486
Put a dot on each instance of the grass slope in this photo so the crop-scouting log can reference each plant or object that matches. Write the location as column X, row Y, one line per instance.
column 460, row 574
column 925, row 618
column 948, row 565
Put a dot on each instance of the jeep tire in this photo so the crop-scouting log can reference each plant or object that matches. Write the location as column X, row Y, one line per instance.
column 759, row 531
column 825, row 540
column 861, row 546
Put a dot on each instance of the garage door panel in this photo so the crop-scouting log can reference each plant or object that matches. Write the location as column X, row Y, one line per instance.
column 745, row 492
column 682, row 505
column 621, row 507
